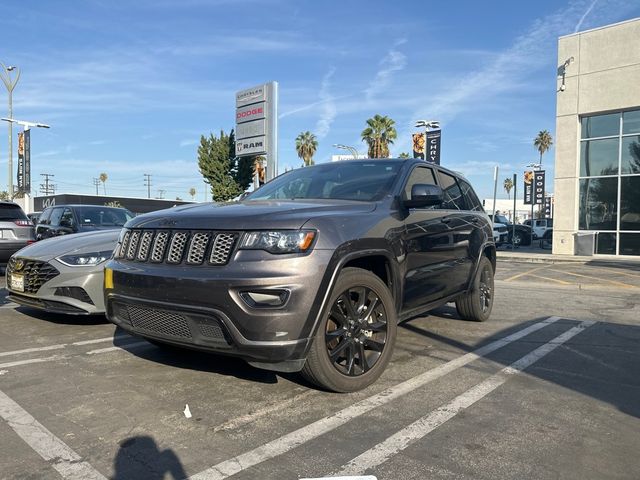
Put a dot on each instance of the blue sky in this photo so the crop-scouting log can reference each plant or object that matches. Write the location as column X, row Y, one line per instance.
column 129, row 87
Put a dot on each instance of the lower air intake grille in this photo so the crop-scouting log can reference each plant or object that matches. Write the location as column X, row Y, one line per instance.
column 159, row 321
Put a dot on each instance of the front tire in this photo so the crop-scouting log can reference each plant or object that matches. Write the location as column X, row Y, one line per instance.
column 354, row 341
column 476, row 305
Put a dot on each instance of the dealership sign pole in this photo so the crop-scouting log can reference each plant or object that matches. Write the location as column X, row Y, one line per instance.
column 257, row 125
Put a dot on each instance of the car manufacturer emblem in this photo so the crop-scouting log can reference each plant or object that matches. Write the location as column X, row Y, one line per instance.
column 167, row 223
column 19, row 265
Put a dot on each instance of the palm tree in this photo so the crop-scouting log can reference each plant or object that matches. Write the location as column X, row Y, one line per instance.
column 103, row 179
column 508, row 185
column 306, row 146
column 403, row 155
column 379, row 134
column 192, row 192
column 543, row 142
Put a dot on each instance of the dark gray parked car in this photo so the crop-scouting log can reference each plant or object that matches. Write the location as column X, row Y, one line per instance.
column 312, row 272
column 16, row 230
column 67, row 219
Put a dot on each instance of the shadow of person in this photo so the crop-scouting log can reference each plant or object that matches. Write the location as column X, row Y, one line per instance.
column 140, row 458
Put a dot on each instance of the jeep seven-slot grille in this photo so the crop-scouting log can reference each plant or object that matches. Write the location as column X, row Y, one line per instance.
column 35, row 273
column 177, row 246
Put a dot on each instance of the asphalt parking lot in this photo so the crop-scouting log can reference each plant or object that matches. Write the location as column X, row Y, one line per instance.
column 549, row 387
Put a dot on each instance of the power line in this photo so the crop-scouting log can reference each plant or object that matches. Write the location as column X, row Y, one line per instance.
column 147, row 180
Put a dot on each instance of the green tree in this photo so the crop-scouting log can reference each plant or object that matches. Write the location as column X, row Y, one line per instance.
column 404, row 155
column 4, row 195
column 244, row 171
column 192, row 192
column 508, row 185
column 113, row 203
column 216, row 166
column 543, row 142
column 306, row 146
column 379, row 134
column 103, row 179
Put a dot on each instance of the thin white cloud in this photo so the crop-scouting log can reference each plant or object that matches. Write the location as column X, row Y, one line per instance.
column 584, row 16
column 188, row 142
column 393, row 61
column 328, row 109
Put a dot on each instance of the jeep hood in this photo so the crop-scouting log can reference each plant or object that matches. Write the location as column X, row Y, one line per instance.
column 249, row 215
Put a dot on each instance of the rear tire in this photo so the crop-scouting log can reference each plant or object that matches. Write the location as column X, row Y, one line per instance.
column 476, row 305
column 354, row 341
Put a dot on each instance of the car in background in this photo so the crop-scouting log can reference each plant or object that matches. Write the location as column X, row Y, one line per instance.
column 540, row 226
column 34, row 216
column 522, row 232
column 68, row 219
column 16, row 230
column 500, row 234
column 62, row 274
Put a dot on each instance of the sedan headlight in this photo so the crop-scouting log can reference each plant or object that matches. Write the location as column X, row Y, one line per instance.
column 85, row 259
column 282, row 241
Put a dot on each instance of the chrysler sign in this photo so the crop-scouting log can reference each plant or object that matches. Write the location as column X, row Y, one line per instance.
column 256, row 124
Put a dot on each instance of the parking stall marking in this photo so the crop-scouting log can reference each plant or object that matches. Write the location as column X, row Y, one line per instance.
column 62, row 345
column 614, row 282
column 561, row 282
column 510, row 279
column 116, row 348
column 309, row 432
column 53, row 450
column 422, row 427
column 31, row 360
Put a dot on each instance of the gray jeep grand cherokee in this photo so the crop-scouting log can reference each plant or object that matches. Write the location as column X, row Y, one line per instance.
column 311, row 272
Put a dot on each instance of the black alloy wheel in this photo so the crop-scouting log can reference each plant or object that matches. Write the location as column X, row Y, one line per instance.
column 354, row 341
column 356, row 331
column 477, row 303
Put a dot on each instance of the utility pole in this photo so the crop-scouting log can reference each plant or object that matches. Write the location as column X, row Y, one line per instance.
column 147, row 183
column 96, row 182
column 161, row 193
column 47, row 188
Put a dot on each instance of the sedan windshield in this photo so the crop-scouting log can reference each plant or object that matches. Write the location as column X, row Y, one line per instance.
column 344, row 180
column 103, row 216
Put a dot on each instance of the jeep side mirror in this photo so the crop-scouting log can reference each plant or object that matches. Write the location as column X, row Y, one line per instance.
column 424, row 195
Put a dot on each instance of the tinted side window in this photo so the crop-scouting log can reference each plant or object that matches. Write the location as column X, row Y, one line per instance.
column 471, row 198
column 423, row 175
column 44, row 218
column 453, row 198
column 56, row 214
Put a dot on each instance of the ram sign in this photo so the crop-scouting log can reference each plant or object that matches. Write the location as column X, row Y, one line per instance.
column 256, row 124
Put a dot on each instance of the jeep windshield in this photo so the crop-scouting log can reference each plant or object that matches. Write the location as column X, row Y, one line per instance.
column 365, row 181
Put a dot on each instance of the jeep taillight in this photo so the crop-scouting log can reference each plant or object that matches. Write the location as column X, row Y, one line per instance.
column 23, row 223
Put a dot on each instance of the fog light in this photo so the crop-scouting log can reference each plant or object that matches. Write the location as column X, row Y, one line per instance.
column 265, row 298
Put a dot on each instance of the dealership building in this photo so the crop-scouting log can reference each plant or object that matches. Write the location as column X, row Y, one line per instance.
column 597, row 164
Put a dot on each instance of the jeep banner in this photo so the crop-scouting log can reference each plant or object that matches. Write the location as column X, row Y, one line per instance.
column 528, row 187
column 538, row 187
column 418, row 145
column 24, row 162
column 433, row 146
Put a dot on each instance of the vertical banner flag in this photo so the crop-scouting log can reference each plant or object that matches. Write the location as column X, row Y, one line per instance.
column 538, row 187
column 528, row 187
column 433, row 146
column 24, row 162
column 418, row 145
column 547, row 207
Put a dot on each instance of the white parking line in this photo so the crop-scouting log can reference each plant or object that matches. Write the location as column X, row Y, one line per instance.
column 63, row 345
column 420, row 428
column 31, row 360
column 298, row 437
column 114, row 349
column 61, row 457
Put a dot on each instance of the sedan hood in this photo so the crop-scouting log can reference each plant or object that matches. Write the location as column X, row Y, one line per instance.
column 46, row 250
column 248, row 215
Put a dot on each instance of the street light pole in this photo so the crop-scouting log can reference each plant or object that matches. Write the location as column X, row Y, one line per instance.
column 10, row 83
column 352, row 150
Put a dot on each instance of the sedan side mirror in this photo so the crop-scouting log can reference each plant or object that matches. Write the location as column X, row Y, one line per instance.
column 424, row 195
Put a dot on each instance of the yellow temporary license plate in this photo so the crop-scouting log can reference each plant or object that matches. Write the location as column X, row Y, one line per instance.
column 16, row 282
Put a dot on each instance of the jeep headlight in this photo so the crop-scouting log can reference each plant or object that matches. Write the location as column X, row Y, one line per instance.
column 281, row 241
column 85, row 259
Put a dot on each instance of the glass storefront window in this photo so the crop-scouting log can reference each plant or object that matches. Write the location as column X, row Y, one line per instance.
column 599, row 157
column 598, row 204
column 601, row 126
column 631, row 154
column 630, row 244
column 606, row 243
column 630, row 203
column 631, row 122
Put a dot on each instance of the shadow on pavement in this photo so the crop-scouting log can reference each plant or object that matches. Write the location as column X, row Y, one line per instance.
column 139, row 457
column 193, row 359
column 62, row 318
